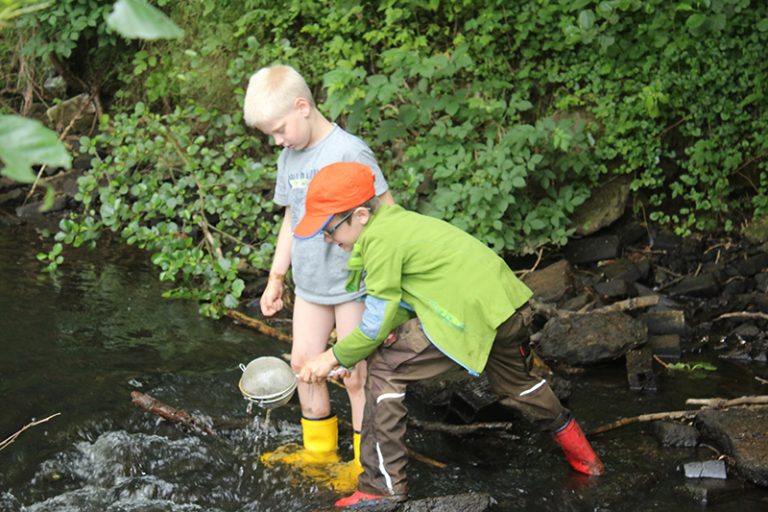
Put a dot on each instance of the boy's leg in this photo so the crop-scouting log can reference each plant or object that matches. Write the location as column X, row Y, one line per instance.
column 508, row 369
column 312, row 325
column 348, row 316
column 390, row 369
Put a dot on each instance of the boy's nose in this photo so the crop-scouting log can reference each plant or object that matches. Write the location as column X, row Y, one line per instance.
column 278, row 140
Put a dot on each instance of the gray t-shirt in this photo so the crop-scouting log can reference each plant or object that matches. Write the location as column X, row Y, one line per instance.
column 319, row 268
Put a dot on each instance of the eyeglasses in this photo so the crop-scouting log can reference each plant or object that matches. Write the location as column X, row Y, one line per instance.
column 330, row 231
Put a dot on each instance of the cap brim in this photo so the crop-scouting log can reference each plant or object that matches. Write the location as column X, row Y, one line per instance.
column 309, row 227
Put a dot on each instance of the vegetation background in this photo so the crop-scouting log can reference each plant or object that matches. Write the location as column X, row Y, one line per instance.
column 498, row 116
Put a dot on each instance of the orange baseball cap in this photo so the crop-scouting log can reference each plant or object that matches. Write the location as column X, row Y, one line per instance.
column 335, row 188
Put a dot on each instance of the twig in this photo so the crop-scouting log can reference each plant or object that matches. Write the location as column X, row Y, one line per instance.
column 260, row 326
column 761, row 381
column 743, row 314
column 707, row 403
column 460, row 430
column 12, row 438
column 722, row 403
column 662, row 363
column 672, row 415
column 155, row 406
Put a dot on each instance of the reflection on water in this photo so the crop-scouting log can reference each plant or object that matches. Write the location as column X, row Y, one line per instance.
column 80, row 342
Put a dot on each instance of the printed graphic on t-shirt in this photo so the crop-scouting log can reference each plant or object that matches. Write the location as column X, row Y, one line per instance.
column 299, row 183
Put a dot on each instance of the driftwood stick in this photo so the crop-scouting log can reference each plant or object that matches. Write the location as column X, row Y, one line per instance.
column 761, row 381
column 629, row 304
column 706, row 403
column 721, row 403
column 13, row 437
column 259, row 325
column 460, row 430
column 625, row 305
column 151, row 404
column 672, row 415
column 743, row 314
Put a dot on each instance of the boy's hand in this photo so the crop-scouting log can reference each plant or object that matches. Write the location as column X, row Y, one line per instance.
column 317, row 369
column 272, row 299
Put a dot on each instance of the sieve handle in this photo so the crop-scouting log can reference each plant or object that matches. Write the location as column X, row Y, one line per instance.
column 242, row 367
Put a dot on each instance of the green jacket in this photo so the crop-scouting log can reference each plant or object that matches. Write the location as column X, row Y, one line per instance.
column 458, row 287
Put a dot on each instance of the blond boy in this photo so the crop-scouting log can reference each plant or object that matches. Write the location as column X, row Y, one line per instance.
column 278, row 102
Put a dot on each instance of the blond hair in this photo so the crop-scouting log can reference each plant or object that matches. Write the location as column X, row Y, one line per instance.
column 271, row 94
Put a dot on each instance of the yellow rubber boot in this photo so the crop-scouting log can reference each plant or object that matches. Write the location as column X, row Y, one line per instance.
column 321, row 439
column 343, row 476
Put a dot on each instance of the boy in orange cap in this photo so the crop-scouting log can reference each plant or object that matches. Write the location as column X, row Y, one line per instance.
column 436, row 297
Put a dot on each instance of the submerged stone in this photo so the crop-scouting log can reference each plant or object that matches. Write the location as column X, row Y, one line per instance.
column 741, row 432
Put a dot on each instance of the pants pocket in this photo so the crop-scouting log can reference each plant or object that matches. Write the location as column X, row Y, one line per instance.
column 411, row 337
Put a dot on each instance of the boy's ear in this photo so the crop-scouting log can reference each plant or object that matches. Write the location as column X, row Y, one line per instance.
column 303, row 105
column 363, row 215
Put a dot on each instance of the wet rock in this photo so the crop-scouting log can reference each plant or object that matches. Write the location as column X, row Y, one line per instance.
column 664, row 321
column 674, row 434
column 753, row 265
column 589, row 338
column 468, row 502
column 757, row 230
column 741, row 432
column 470, row 398
column 761, row 282
column 615, row 289
column 592, row 249
column 710, row 491
column 705, row 285
column 606, row 204
column 80, row 111
column 625, row 269
column 666, row 346
column 551, row 283
column 640, row 370
column 706, row 469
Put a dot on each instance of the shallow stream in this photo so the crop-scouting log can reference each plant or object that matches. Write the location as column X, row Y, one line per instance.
column 80, row 342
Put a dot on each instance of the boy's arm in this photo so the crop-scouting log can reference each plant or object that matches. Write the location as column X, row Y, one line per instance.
column 272, row 299
column 383, row 266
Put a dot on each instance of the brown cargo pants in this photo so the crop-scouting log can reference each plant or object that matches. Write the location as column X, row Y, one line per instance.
column 410, row 358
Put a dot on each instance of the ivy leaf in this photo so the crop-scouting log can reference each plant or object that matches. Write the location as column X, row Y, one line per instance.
column 26, row 142
column 136, row 19
column 762, row 25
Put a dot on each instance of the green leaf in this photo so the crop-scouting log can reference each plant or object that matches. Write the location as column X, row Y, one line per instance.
column 586, row 19
column 26, row 142
column 136, row 19
column 762, row 25
column 695, row 21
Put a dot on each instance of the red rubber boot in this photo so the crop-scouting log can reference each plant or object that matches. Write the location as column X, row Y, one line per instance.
column 577, row 449
column 363, row 499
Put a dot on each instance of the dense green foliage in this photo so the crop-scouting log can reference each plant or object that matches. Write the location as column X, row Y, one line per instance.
column 498, row 116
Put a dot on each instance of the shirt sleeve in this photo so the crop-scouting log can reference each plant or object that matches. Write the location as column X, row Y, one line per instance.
column 282, row 188
column 382, row 305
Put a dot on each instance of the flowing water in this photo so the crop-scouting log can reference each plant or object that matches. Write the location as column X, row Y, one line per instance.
column 80, row 342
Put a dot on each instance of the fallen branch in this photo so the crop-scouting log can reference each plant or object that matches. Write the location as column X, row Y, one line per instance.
column 624, row 305
column 460, row 430
column 259, row 325
column 762, row 381
column 151, row 404
column 13, row 437
column 722, row 403
column 707, row 403
column 672, row 415
column 743, row 314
